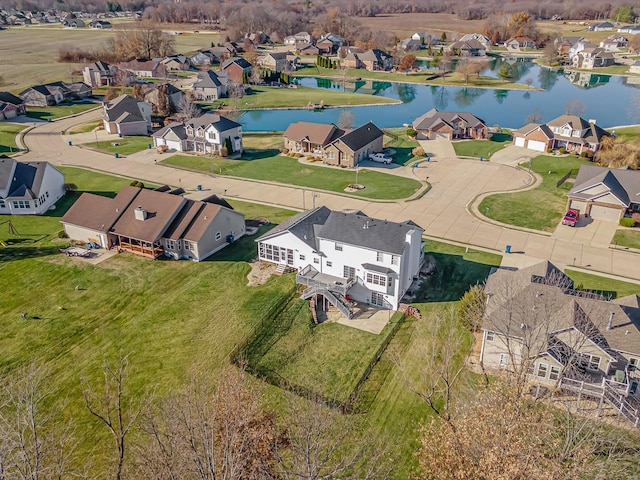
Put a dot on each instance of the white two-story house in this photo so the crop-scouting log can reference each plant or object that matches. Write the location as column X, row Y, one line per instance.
column 28, row 188
column 347, row 256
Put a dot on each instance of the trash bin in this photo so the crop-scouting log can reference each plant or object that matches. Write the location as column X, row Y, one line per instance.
column 507, row 249
column 149, row 146
column 428, row 158
column 117, row 155
column 480, row 158
column 415, row 165
column 198, row 187
column 120, row 135
column 70, row 143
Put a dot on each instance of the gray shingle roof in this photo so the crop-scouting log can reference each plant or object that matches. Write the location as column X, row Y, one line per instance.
column 25, row 180
column 433, row 117
column 361, row 136
column 301, row 225
column 624, row 184
column 208, row 79
column 123, row 109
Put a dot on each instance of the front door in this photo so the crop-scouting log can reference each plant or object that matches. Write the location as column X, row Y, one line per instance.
column 286, row 256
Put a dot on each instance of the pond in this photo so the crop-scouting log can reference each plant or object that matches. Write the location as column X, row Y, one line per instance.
column 610, row 100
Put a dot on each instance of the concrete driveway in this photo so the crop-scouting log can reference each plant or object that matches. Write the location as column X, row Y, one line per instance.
column 512, row 155
column 587, row 231
column 438, row 148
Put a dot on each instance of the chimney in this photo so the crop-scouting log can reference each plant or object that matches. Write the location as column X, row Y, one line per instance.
column 592, row 121
column 609, row 324
column 140, row 213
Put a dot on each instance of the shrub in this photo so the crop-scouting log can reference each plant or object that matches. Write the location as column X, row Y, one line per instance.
column 62, row 234
column 583, row 154
column 627, row 222
column 411, row 132
column 224, row 152
column 137, row 183
column 418, row 152
column 549, row 150
column 70, row 187
column 562, row 150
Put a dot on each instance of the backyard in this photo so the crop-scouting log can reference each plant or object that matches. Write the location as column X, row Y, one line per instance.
column 8, row 132
column 542, row 207
column 397, row 139
column 482, row 148
column 268, row 165
column 606, row 286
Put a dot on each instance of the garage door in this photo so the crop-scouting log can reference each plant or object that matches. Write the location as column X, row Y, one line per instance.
column 443, row 135
column 536, row 145
column 519, row 141
column 599, row 212
column 580, row 206
column 11, row 114
column 174, row 145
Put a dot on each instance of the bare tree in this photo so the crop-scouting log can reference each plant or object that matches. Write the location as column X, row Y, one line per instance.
column 114, row 408
column 187, row 107
column 574, row 107
column 534, row 117
column 142, row 40
column 346, row 120
column 468, row 68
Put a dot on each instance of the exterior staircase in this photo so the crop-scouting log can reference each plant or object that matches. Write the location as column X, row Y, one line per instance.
column 280, row 269
column 334, row 299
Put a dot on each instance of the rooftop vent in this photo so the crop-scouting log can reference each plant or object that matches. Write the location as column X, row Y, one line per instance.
column 140, row 213
column 610, row 323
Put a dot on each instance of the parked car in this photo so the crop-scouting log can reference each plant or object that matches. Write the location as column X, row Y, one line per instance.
column 571, row 217
column 380, row 158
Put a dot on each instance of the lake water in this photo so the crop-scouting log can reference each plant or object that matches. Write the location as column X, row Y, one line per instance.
column 610, row 100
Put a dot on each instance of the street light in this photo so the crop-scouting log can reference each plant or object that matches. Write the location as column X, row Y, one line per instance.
column 314, row 195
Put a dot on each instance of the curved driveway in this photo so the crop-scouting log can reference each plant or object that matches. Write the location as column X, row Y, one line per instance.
column 444, row 212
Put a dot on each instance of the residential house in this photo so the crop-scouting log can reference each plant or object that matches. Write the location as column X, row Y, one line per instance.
column 409, row 45
column 578, row 46
column 100, row 24
column 565, row 45
column 449, row 125
column 605, row 193
column 518, row 43
column 425, row 39
column 601, row 27
column 614, row 43
column 203, row 57
column 537, row 322
column 589, row 58
column 307, row 49
column 278, row 61
column 148, row 68
column 571, row 132
column 478, row 37
column 98, row 74
column 354, row 146
column 584, row 79
column 300, row 37
column 371, row 60
column 632, row 29
column 237, row 69
column 8, row 111
column 126, row 115
column 51, row 94
column 310, row 138
column 152, row 96
column 468, row 48
column 330, row 43
column 28, row 188
column 73, row 23
column 210, row 86
column 209, row 133
column 153, row 224
column 8, row 98
column 344, row 257
column 635, row 67
column 176, row 63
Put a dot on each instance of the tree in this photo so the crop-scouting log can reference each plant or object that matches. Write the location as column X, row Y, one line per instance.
column 505, row 71
column 164, row 102
column 534, row 117
column 550, row 54
column 346, row 120
column 137, row 92
column 574, row 107
column 444, row 62
column 110, row 94
column 407, row 62
column 468, row 68
column 142, row 40
column 519, row 23
column 187, row 107
column 114, row 408
column 624, row 14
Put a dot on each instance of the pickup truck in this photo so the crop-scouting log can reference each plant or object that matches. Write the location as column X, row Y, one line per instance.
column 571, row 217
column 380, row 158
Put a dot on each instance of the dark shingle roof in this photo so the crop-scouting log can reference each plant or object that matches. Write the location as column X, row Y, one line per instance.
column 623, row 184
column 208, row 79
column 241, row 62
column 8, row 97
column 25, row 180
column 361, row 136
column 123, row 109
column 301, row 225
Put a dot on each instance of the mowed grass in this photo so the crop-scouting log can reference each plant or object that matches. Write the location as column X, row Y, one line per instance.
column 267, row 165
column 402, row 144
column 123, row 146
column 262, row 141
column 607, row 286
column 627, row 238
column 85, row 127
column 62, row 110
column 628, row 134
column 540, row 208
column 8, row 132
column 482, row 148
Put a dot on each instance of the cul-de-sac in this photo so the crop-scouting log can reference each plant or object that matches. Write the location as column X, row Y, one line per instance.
column 287, row 239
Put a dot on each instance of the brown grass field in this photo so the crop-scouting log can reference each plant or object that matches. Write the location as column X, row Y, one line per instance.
column 405, row 24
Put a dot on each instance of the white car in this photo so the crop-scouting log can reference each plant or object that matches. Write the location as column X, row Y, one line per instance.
column 380, row 158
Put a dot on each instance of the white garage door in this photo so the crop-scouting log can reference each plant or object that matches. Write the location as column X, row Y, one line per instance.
column 174, row 145
column 11, row 114
column 599, row 212
column 519, row 141
column 580, row 206
column 442, row 135
column 536, row 145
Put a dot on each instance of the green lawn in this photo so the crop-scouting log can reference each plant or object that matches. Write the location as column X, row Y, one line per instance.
column 85, row 127
column 540, row 208
column 627, row 238
column 124, row 145
column 59, row 111
column 606, row 286
column 403, row 146
column 262, row 141
column 628, row 134
column 456, row 269
column 263, row 165
column 482, row 148
column 300, row 97
column 8, row 132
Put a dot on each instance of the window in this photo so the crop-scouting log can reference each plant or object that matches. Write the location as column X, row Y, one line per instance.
column 542, row 370
column 395, row 260
column 47, row 193
column 349, row 272
column 632, row 364
column 218, row 235
column 301, row 257
column 504, row 360
column 555, row 373
column 331, row 155
column 171, row 244
column 2, row 204
column 339, row 247
column 490, row 336
column 377, row 299
column 269, row 252
column 376, row 279
column 590, row 362
column 329, row 264
column 21, row 204
column 187, row 245
column 380, row 257
column 316, row 260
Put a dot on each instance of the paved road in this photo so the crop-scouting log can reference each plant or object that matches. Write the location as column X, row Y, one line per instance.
column 446, row 211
